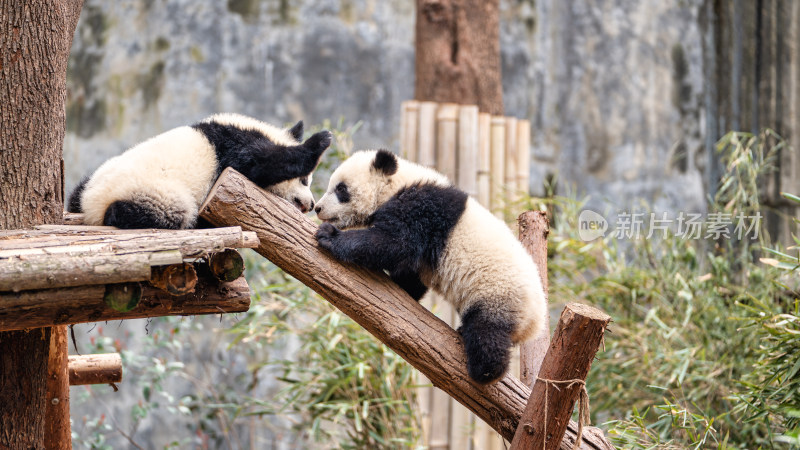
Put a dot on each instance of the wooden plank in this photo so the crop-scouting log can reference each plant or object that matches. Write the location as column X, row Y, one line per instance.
column 427, row 134
column 560, row 381
column 468, row 150
column 498, row 165
column 371, row 299
column 32, row 309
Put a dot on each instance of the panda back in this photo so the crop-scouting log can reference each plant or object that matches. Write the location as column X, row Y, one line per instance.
column 177, row 168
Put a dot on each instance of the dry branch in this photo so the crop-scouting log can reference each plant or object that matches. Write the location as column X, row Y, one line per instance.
column 575, row 341
column 369, row 298
column 100, row 368
column 30, row 309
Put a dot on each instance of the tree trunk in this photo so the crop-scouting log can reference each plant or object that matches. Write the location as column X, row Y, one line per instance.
column 35, row 38
column 458, row 53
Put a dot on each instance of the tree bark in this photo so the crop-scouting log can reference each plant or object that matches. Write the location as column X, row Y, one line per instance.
column 533, row 231
column 35, row 38
column 458, row 53
column 560, row 381
column 372, row 300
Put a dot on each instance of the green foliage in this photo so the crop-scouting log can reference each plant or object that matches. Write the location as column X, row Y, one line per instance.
column 685, row 336
column 344, row 386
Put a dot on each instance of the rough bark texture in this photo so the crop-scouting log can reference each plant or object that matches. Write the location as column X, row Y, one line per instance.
column 533, row 231
column 35, row 38
column 100, row 368
column 369, row 298
column 28, row 309
column 458, row 53
column 575, row 342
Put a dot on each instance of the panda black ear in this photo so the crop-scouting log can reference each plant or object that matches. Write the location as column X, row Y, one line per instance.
column 385, row 162
column 297, row 131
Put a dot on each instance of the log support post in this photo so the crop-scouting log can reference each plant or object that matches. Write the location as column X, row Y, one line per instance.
column 561, row 379
column 533, row 231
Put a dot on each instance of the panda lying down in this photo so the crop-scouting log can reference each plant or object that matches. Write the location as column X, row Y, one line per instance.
column 411, row 221
column 161, row 182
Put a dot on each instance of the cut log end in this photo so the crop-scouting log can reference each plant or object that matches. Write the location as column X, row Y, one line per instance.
column 227, row 265
column 123, row 297
column 176, row 279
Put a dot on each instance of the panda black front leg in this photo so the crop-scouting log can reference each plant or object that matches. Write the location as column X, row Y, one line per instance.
column 367, row 247
column 487, row 342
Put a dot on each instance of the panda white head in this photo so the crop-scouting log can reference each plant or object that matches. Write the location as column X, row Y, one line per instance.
column 297, row 191
column 364, row 182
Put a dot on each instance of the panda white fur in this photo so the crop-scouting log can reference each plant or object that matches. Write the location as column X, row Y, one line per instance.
column 412, row 222
column 161, row 182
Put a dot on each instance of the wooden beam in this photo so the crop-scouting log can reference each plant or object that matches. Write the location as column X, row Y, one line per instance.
column 561, row 379
column 102, row 368
column 371, row 299
column 30, row 309
column 533, row 231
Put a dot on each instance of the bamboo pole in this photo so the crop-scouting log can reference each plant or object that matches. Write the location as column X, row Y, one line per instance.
column 510, row 170
column 427, row 134
column 484, row 160
column 447, row 140
column 47, row 307
column 524, row 156
column 468, row 150
column 101, row 368
column 371, row 299
column 409, row 124
column 498, row 165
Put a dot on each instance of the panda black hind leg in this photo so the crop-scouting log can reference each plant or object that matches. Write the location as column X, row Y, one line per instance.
column 487, row 342
column 132, row 215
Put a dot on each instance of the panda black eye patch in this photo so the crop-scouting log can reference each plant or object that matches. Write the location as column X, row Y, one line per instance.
column 304, row 181
column 342, row 193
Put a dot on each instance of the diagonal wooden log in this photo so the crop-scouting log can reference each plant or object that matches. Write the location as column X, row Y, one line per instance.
column 561, row 378
column 46, row 307
column 373, row 301
column 102, row 368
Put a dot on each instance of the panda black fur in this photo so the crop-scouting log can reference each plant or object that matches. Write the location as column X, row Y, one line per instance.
column 385, row 213
column 161, row 182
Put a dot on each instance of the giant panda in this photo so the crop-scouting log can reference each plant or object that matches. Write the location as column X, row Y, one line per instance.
column 161, row 182
column 385, row 213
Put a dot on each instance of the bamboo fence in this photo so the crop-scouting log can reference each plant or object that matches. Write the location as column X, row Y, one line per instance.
column 489, row 158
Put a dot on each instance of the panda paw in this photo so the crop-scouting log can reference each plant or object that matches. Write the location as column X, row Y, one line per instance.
column 326, row 234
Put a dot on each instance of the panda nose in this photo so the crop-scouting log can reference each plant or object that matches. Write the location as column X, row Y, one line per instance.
column 311, row 206
column 317, row 209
